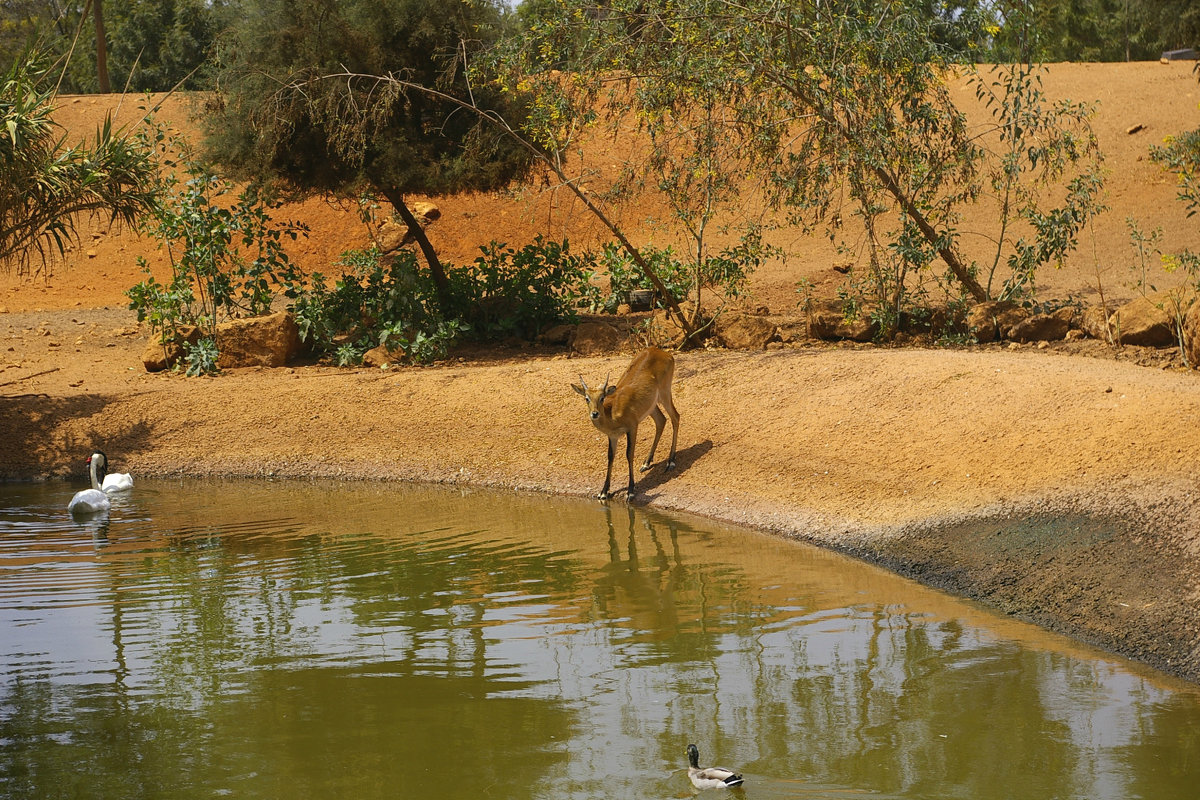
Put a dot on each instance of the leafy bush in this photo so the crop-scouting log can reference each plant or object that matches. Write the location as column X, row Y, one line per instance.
column 201, row 357
column 374, row 303
column 624, row 276
column 511, row 292
column 726, row 272
column 226, row 258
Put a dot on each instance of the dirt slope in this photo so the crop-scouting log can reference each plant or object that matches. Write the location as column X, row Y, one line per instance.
column 859, row 448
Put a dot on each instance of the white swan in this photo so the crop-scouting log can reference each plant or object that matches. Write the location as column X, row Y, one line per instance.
column 709, row 777
column 89, row 501
column 115, row 481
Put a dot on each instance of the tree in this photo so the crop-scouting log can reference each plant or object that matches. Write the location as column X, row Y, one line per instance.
column 101, row 46
column 46, row 186
column 156, row 45
column 300, row 102
column 150, row 45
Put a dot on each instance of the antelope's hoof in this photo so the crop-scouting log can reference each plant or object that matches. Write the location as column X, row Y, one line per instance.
column 671, row 465
column 645, row 467
column 603, row 496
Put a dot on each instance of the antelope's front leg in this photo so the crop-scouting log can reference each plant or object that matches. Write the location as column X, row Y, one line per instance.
column 612, row 449
column 630, row 441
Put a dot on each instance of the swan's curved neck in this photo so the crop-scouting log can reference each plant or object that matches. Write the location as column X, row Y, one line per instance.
column 96, row 470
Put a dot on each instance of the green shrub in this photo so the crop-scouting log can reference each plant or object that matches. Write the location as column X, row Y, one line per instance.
column 509, row 292
column 377, row 302
column 226, row 258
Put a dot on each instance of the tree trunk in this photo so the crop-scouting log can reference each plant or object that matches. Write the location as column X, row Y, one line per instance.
column 101, row 47
column 947, row 253
column 440, row 282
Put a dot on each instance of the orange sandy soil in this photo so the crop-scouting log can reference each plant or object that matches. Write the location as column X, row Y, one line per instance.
column 925, row 460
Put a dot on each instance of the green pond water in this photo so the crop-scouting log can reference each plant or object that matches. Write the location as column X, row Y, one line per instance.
column 217, row 639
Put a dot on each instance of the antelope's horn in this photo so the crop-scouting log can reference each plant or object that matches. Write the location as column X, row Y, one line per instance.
column 582, row 382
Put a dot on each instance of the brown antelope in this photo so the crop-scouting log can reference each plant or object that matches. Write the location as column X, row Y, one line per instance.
column 618, row 409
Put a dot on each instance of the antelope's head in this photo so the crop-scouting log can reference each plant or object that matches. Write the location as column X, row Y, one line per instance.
column 594, row 397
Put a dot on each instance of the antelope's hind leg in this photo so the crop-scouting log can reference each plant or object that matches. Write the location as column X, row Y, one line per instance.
column 673, row 413
column 660, row 422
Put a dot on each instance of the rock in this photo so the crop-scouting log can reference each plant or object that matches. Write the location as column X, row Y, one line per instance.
column 792, row 329
column 425, row 209
column 663, row 329
column 828, row 321
column 157, row 357
column 593, row 338
column 558, row 334
column 1094, row 322
column 382, row 356
column 1142, row 322
column 994, row 319
column 1042, row 327
column 743, row 331
column 393, row 235
column 1191, row 336
column 268, row 341
column 641, row 299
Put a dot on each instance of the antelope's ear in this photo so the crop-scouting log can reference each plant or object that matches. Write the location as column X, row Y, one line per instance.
column 609, row 390
column 579, row 389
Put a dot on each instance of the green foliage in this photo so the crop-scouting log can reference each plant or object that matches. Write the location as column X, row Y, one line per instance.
column 346, row 95
column 1181, row 155
column 625, row 277
column 156, row 45
column 509, row 292
column 391, row 302
column 1043, row 147
column 838, row 108
column 227, row 256
column 377, row 302
column 725, row 273
column 682, row 100
column 1091, row 30
column 201, row 357
column 303, row 96
column 153, row 45
column 45, row 186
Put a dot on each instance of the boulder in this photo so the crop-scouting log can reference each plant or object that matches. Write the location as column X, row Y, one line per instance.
column 994, row 319
column 743, row 331
column 1191, row 336
column 1043, row 327
column 593, row 338
column 663, row 328
column 157, row 357
column 422, row 209
column 558, row 334
column 382, row 356
column 268, row 341
column 828, row 321
column 1094, row 322
column 393, row 234
column 1142, row 322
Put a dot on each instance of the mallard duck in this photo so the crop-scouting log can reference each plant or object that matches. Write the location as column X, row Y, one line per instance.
column 89, row 501
column 710, row 777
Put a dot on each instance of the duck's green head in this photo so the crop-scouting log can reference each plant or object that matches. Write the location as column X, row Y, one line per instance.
column 693, row 755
